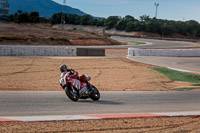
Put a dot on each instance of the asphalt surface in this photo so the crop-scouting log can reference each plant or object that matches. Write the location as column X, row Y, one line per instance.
column 151, row 43
column 156, row 43
column 185, row 63
column 30, row 103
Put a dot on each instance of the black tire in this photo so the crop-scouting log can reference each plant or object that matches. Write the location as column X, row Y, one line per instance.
column 70, row 94
column 95, row 95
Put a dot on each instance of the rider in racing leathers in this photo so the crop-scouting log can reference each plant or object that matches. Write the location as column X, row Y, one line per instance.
column 64, row 70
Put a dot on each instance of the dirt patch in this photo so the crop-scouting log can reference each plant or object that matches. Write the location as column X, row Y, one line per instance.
column 116, row 52
column 108, row 74
column 29, row 34
column 179, row 84
column 154, row 125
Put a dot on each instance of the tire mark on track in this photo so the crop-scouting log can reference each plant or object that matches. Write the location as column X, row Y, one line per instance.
column 22, row 71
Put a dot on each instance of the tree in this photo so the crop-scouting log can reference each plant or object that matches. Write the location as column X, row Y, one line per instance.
column 19, row 11
column 121, row 24
column 111, row 21
column 11, row 17
column 56, row 18
column 100, row 22
column 130, row 26
column 93, row 21
column 167, row 29
column 84, row 20
column 145, row 18
column 192, row 27
column 23, row 17
column 34, row 17
column 181, row 27
column 44, row 20
column 16, row 16
column 72, row 19
column 154, row 26
column 129, row 18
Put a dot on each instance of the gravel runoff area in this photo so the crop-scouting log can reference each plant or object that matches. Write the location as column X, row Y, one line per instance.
column 108, row 74
column 151, row 125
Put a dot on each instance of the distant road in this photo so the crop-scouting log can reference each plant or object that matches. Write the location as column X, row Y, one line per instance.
column 154, row 43
column 157, row 43
column 185, row 63
column 31, row 103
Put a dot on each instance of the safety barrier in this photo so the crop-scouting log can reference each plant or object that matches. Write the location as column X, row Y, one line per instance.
column 11, row 50
column 164, row 52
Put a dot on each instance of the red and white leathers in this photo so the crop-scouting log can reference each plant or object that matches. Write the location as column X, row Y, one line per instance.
column 72, row 77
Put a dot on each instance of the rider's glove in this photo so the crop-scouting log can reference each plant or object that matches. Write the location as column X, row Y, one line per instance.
column 72, row 71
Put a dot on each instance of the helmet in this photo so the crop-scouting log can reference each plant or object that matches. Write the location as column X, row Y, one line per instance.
column 63, row 68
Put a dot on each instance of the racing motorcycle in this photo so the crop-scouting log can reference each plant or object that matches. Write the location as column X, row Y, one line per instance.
column 77, row 89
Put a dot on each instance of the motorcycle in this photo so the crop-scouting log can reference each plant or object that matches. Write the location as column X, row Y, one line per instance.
column 76, row 89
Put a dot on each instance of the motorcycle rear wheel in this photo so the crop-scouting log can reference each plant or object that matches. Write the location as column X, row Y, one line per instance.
column 70, row 93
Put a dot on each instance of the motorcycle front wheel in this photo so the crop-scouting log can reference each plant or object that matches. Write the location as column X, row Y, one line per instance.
column 71, row 93
column 94, row 93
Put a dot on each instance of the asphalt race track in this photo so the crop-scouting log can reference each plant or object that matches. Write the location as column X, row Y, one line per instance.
column 151, row 43
column 184, row 63
column 156, row 43
column 21, row 103
column 40, row 103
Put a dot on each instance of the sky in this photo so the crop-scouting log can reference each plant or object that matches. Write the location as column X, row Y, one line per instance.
column 179, row 10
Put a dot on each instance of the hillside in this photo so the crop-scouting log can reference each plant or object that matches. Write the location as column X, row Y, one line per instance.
column 26, row 34
column 46, row 8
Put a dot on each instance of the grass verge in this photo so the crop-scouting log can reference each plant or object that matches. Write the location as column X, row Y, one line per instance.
column 137, row 43
column 180, row 76
column 134, row 42
column 187, row 88
column 196, row 85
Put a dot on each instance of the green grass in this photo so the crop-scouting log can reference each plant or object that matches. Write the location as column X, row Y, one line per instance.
column 196, row 85
column 137, row 43
column 179, row 76
column 184, row 89
column 134, row 42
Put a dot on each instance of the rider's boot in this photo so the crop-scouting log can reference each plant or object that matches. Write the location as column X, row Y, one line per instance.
column 83, row 91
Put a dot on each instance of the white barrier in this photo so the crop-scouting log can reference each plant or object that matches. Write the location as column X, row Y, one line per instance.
column 164, row 52
column 9, row 50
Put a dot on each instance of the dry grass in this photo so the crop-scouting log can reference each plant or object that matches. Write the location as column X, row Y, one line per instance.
column 28, row 34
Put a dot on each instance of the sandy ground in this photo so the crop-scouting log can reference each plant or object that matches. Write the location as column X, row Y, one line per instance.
column 116, row 52
column 150, row 125
column 108, row 74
